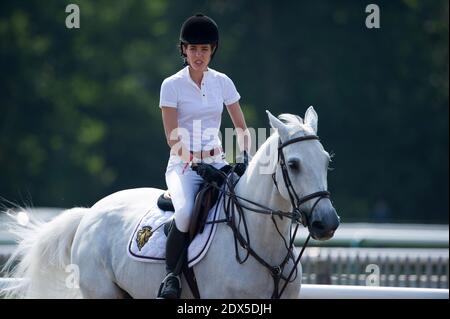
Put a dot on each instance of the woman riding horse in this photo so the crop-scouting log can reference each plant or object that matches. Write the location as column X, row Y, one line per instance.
column 192, row 103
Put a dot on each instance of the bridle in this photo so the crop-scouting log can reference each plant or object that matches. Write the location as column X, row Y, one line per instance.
column 297, row 216
column 293, row 196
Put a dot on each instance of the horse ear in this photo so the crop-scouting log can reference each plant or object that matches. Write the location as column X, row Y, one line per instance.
column 280, row 126
column 311, row 118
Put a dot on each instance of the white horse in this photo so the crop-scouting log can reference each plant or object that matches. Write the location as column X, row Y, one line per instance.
column 94, row 239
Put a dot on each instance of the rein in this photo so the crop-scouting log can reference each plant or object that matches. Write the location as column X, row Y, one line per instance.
column 297, row 216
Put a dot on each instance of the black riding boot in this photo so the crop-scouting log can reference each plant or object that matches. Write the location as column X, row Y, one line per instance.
column 176, row 248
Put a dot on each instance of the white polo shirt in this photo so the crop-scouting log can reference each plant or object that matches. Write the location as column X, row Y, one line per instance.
column 199, row 109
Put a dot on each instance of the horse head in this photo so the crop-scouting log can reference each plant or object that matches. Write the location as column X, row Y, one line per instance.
column 301, row 172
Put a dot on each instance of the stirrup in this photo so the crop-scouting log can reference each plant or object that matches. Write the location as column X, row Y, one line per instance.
column 169, row 292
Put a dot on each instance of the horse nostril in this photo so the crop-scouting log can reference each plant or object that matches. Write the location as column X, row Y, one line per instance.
column 317, row 225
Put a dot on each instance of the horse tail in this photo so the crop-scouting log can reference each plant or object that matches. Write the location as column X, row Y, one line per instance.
column 40, row 262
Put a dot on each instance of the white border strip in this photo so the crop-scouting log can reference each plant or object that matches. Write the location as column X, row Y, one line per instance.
column 369, row 292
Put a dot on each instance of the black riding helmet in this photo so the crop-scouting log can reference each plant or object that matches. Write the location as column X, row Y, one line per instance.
column 199, row 29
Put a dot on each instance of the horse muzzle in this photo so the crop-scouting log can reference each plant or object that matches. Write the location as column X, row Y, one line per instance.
column 324, row 224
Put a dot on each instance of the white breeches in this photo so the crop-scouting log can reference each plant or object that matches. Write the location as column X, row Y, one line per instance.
column 183, row 188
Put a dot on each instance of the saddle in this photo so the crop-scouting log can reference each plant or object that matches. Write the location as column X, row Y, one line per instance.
column 205, row 199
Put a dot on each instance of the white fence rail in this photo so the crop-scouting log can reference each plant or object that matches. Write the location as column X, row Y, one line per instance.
column 361, row 292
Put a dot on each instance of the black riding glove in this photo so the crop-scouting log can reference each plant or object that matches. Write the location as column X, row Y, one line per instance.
column 241, row 163
column 209, row 173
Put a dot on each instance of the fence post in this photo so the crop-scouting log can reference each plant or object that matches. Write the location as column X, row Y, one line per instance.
column 323, row 272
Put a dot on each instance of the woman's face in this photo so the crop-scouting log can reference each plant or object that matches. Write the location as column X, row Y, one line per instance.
column 198, row 55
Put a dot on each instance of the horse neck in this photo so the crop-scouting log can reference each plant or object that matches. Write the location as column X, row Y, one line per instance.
column 260, row 188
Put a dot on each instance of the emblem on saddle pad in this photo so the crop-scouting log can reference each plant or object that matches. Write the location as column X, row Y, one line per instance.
column 143, row 236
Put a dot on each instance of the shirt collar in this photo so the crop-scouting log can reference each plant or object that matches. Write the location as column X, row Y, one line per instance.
column 188, row 76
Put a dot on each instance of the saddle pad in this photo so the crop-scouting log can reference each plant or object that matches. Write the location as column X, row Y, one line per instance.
column 148, row 241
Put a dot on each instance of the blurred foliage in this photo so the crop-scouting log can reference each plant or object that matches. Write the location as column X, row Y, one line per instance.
column 79, row 107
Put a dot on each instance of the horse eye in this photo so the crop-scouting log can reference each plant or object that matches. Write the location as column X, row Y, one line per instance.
column 293, row 164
